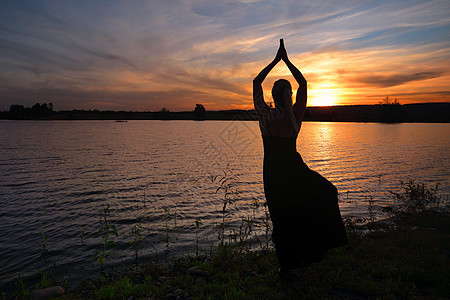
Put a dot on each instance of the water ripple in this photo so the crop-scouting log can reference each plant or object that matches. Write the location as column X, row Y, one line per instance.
column 57, row 177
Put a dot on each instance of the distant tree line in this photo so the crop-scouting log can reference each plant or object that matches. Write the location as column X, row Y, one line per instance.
column 387, row 110
column 37, row 111
column 199, row 112
column 390, row 110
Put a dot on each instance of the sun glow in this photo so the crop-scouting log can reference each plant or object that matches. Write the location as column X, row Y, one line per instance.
column 323, row 97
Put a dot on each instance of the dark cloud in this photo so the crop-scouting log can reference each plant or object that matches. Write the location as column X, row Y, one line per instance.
column 64, row 98
column 403, row 97
column 209, row 8
column 395, row 79
column 443, row 94
column 198, row 79
column 114, row 58
column 103, row 52
column 76, row 98
column 37, row 58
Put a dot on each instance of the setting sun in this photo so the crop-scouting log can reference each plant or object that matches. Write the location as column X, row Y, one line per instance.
column 322, row 97
column 175, row 56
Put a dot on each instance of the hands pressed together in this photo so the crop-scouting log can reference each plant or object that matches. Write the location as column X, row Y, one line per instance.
column 301, row 97
column 281, row 54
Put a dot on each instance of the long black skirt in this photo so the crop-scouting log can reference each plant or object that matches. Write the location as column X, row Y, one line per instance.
column 303, row 207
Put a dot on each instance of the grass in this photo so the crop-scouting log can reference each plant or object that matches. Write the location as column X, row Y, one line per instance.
column 408, row 257
column 411, row 260
column 401, row 260
column 106, row 231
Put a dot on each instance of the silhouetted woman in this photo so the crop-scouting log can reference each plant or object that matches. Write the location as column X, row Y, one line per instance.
column 303, row 205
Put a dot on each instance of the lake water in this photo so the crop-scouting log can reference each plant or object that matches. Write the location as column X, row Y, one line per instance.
column 57, row 176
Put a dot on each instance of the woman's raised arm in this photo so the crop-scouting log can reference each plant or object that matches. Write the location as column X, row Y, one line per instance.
column 258, row 99
column 263, row 74
column 300, row 102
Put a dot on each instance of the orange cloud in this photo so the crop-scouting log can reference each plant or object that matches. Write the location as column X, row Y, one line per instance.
column 365, row 76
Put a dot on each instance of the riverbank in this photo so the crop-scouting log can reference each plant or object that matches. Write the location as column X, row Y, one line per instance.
column 421, row 112
column 404, row 256
column 407, row 257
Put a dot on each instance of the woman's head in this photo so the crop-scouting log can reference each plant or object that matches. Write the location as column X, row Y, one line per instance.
column 282, row 92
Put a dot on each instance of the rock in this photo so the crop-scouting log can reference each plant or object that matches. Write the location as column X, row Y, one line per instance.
column 192, row 270
column 178, row 292
column 170, row 296
column 48, row 293
column 200, row 281
column 197, row 272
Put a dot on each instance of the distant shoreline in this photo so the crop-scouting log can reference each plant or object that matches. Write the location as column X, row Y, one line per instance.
column 424, row 112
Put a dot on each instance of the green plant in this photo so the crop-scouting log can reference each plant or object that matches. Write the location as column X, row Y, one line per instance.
column 248, row 223
column 44, row 281
column 198, row 223
column 416, row 197
column 371, row 209
column 121, row 289
column 267, row 225
column 20, row 291
column 175, row 214
column 256, row 205
column 167, row 216
column 66, row 280
column 82, row 235
column 148, row 281
column 106, row 230
column 44, row 237
column 136, row 237
column 245, row 230
column 227, row 183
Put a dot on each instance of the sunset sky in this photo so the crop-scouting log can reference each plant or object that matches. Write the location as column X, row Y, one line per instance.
column 145, row 55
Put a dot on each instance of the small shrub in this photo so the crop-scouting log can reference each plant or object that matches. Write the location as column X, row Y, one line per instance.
column 106, row 230
column 136, row 238
column 44, row 237
column 45, row 281
column 227, row 184
column 21, row 291
column 121, row 289
column 416, row 197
